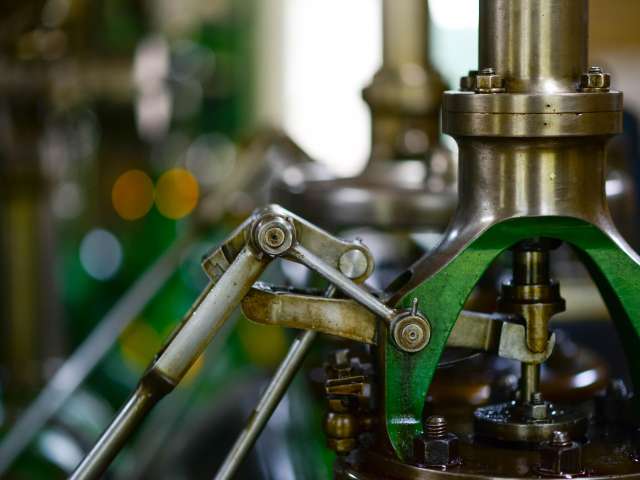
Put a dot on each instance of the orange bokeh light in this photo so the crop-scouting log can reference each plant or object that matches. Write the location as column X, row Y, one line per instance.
column 177, row 193
column 132, row 195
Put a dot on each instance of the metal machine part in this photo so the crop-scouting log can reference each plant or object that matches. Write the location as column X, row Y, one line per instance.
column 532, row 125
column 410, row 181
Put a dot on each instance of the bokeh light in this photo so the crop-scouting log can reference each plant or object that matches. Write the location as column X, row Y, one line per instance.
column 177, row 193
column 100, row 254
column 138, row 344
column 132, row 195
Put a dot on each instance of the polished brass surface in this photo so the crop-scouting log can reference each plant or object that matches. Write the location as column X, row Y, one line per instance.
column 539, row 148
column 405, row 94
column 536, row 149
column 537, row 46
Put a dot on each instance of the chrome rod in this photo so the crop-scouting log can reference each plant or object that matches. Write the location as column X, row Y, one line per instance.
column 85, row 358
column 267, row 404
column 190, row 339
column 342, row 283
column 269, row 401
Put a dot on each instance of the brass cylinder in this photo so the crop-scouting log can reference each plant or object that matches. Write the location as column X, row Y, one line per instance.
column 405, row 32
column 532, row 176
column 538, row 46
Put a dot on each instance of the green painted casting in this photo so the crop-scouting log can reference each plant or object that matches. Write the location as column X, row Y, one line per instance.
column 442, row 296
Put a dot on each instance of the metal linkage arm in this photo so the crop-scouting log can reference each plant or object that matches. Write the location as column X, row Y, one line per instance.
column 234, row 267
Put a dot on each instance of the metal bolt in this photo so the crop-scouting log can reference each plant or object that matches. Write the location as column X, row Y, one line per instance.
column 353, row 263
column 560, row 439
column 274, row 236
column 435, row 427
column 560, row 455
column 488, row 81
column 436, row 446
column 536, row 398
column 595, row 80
column 467, row 83
column 411, row 331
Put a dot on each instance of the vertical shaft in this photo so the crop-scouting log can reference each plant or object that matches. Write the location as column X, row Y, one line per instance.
column 405, row 33
column 536, row 45
column 529, row 381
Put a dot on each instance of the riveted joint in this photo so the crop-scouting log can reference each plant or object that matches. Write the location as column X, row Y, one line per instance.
column 595, row 80
column 273, row 235
column 411, row 330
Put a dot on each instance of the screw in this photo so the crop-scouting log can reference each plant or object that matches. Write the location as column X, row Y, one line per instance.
column 274, row 237
column 488, row 81
column 560, row 439
column 411, row 330
column 435, row 427
column 595, row 80
column 412, row 333
column 536, row 398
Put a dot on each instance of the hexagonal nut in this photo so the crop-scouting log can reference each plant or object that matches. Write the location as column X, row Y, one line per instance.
column 489, row 83
column 595, row 82
column 556, row 460
column 436, row 452
column 536, row 411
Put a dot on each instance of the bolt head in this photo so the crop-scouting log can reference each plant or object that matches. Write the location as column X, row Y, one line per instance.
column 468, row 82
column 353, row 263
column 561, row 459
column 411, row 332
column 595, row 80
column 536, row 410
column 274, row 236
column 487, row 81
column 439, row 452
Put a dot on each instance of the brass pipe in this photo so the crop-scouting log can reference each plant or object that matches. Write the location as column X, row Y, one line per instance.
column 405, row 33
column 536, row 45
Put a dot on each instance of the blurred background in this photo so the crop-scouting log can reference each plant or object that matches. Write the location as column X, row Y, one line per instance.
column 134, row 136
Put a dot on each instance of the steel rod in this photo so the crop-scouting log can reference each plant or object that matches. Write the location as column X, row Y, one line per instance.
column 112, row 440
column 342, row 283
column 185, row 346
column 269, row 401
column 85, row 358
column 267, row 404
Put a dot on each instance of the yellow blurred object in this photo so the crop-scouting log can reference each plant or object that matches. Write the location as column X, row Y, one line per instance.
column 193, row 371
column 132, row 195
column 177, row 193
column 264, row 345
column 138, row 344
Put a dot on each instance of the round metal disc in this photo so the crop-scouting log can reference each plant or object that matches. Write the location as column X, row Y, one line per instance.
column 505, row 423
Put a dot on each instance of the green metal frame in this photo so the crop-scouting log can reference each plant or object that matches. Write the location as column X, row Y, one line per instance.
column 442, row 296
